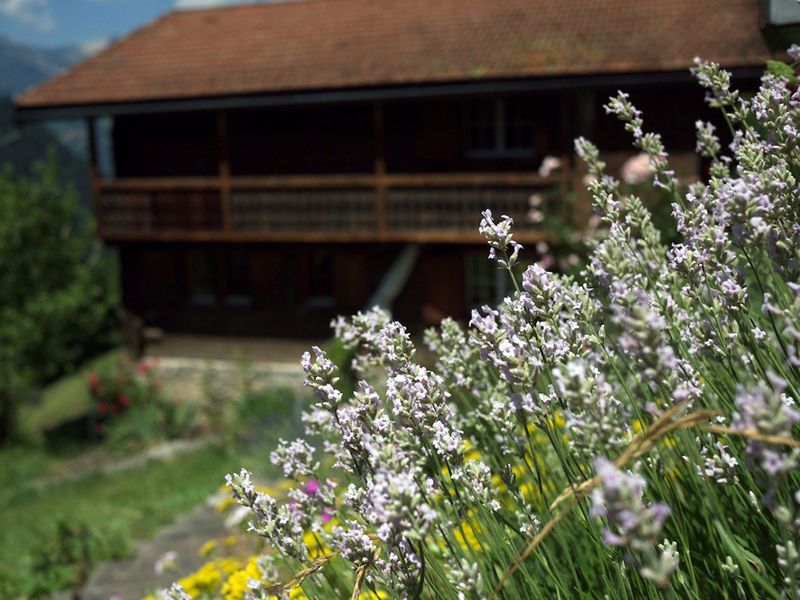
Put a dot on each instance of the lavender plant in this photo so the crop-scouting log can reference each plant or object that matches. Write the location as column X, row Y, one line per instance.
column 628, row 433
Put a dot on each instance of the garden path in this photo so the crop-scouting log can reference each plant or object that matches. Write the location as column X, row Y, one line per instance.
column 134, row 577
column 100, row 460
column 207, row 347
column 200, row 368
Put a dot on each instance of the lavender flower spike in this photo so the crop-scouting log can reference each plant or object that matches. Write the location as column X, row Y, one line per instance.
column 499, row 237
column 632, row 524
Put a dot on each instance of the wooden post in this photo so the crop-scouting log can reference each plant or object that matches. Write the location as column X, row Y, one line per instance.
column 224, row 169
column 571, row 214
column 379, row 168
column 94, row 177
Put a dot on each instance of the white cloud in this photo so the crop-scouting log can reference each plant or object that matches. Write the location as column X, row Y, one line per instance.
column 94, row 46
column 189, row 4
column 200, row 3
column 33, row 13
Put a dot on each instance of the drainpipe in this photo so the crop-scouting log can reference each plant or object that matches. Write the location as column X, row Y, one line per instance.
column 394, row 280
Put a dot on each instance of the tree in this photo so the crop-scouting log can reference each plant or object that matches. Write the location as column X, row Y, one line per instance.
column 58, row 286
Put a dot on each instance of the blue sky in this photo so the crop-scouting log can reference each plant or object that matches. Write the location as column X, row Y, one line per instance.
column 87, row 22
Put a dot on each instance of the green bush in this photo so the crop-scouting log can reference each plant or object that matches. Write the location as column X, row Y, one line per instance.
column 58, row 287
column 65, row 560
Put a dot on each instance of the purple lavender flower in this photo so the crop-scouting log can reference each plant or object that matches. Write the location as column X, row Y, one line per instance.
column 632, row 524
column 767, row 412
column 499, row 237
column 296, row 459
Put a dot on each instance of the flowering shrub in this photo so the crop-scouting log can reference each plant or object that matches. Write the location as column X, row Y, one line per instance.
column 132, row 409
column 626, row 434
column 58, row 287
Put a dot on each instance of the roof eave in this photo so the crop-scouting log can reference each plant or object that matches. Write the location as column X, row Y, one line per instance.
column 363, row 94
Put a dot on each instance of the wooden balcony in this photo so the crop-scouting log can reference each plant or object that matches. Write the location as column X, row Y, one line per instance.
column 442, row 207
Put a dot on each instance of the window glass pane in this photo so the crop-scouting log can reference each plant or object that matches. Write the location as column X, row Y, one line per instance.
column 237, row 278
column 485, row 284
column 500, row 127
column 481, row 125
column 201, row 278
column 518, row 125
column 320, row 273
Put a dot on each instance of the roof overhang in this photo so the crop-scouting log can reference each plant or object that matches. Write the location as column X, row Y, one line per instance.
column 369, row 94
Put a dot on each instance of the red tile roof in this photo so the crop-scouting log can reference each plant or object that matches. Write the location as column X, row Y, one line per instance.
column 328, row 44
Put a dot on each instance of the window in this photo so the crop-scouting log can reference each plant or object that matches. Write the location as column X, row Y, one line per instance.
column 320, row 280
column 485, row 283
column 237, row 292
column 202, row 278
column 499, row 128
column 219, row 276
column 780, row 13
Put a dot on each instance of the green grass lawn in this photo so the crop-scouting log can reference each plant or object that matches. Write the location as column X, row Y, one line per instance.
column 115, row 509
column 65, row 399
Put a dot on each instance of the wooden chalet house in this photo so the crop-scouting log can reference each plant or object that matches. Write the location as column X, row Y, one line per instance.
column 261, row 168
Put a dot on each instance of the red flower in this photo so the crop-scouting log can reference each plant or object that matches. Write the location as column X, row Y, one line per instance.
column 102, row 407
column 94, row 382
column 143, row 368
column 124, row 401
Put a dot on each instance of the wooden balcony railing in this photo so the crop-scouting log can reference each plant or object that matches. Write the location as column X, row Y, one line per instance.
column 442, row 207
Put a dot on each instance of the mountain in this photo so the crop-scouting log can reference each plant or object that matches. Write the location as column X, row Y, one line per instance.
column 22, row 66
column 22, row 147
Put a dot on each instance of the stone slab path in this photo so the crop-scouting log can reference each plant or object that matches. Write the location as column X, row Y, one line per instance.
column 134, row 577
column 207, row 347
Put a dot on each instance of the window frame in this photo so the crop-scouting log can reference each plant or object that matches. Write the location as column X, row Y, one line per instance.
column 484, row 283
column 500, row 126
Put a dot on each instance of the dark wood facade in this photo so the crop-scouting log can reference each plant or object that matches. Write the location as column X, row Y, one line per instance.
column 269, row 221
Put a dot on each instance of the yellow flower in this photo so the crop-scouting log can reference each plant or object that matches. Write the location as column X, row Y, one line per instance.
column 316, row 547
column 224, row 504
column 379, row 595
column 637, row 427
column 497, row 482
column 207, row 548
column 532, row 495
column 269, row 491
column 470, row 453
column 297, row 594
column 314, row 542
column 674, row 473
column 467, row 535
column 236, row 584
column 284, row 485
column 208, row 578
column 519, row 471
